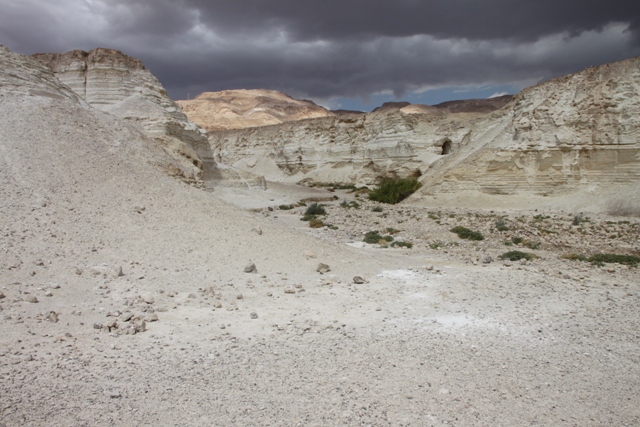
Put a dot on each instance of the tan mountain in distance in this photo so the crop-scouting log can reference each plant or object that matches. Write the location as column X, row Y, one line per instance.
column 239, row 109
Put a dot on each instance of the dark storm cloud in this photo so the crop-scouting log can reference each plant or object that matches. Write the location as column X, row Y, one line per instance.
column 473, row 19
column 332, row 48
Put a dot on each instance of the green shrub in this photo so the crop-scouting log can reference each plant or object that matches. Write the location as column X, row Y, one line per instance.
column 465, row 233
column 508, row 243
column 601, row 259
column 392, row 191
column 377, row 209
column 373, row 237
column 315, row 209
column 516, row 240
column 308, row 217
column 286, row 207
column 516, row 256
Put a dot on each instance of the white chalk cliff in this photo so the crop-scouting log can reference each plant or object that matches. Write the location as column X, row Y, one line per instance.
column 121, row 85
column 573, row 133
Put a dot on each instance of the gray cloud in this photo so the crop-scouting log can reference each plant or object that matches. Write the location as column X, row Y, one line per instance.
column 348, row 48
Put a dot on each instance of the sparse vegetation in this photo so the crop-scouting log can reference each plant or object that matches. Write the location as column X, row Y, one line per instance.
column 574, row 257
column 315, row 209
column 392, row 191
column 516, row 240
column 316, row 223
column 377, row 209
column 286, row 207
column 467, row 234
column 373, row 237
column 601, row 259
column 577, row 219
column 516, row 256
column 501, row 225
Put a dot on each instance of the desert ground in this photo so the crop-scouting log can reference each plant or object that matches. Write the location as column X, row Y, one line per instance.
column 128, row 297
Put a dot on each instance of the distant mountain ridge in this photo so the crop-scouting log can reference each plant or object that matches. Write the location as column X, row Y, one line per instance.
column 237, row 109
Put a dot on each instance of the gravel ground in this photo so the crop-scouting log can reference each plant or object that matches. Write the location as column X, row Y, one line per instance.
column 124, row 298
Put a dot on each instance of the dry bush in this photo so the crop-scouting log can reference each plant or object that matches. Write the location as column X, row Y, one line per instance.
column 623, row 208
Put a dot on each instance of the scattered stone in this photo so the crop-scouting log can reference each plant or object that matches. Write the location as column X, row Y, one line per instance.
column 429, row 267
column 192, row 296
column 127, row 316
column 97, row 326
column 487, row 259
column 269, row 294
column 323, row 268
column 53, row 317
column 222, row 327
column 153, row 317
column 120, row 273
column 48, row 294
column 257, row 230
column 116, row 394
column 289, row 291
column 31, row 299
column 358, row 280
column 113, row 314
column 1, row 295
column 140, row 326
column 218, row 304
column 254, row 315
column 78, row 271
column 310, row 254
column 239, row 296
column 250, row 268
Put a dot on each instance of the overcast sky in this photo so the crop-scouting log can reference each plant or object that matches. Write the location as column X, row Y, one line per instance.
column 339, row 53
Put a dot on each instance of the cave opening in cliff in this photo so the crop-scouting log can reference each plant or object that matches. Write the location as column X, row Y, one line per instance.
column 446, row 147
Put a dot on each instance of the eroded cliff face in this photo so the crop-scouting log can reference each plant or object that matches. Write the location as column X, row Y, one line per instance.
column 121, row 85
column 348, row 148
column 578, row 132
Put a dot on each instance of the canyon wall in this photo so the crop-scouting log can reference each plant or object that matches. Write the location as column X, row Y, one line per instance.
column 577, row 132
column 358, row 148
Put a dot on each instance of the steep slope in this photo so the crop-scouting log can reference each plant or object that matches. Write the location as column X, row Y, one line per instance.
column 121, row 85
column 575, row 133
column 239, row 109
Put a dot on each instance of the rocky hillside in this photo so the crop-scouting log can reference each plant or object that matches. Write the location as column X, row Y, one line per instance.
column 239, row 109
column 121, row 85
column 575, row 133
column 347, row 148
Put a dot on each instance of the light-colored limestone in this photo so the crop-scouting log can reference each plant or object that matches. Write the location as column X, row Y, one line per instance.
column 121, row 85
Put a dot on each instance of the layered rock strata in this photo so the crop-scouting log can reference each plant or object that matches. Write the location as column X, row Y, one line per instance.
column 121, row 85
column 348, row 148
column 578, row 132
